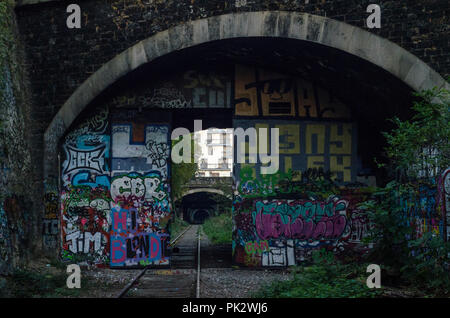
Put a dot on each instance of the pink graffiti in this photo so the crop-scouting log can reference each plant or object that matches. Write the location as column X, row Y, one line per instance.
column 271, row 226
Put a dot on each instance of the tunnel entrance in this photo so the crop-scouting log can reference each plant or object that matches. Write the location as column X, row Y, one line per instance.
column 198, row 207
column 118, row 186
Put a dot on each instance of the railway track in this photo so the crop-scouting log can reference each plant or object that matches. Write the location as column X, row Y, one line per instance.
column 182, row 280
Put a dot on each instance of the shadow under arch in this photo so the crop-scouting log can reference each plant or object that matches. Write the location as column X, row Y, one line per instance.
column 279, row 24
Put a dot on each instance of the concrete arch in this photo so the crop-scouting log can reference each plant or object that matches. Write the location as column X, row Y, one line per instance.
column 328, row 32
column 209, row 190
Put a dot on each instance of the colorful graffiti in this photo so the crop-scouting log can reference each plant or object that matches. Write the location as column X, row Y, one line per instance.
column 85, row 194
column 140, row 210
column 102, row 174
column 283, row 232
column 304, row 145
column 50, row 223
column 131, row 243
column 301, row 219
column 421, row 209
column 445, row 199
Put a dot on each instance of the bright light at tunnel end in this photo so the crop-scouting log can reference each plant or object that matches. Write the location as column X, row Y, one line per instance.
column 256, row 147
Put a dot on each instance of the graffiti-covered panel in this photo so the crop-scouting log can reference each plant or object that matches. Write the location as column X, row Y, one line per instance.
column 191, row 89
column 280, row 218
column 85, row 195
column 329, row 146
column 283, row 232
column 259, row 92
column 140, row 193
column 445, row 197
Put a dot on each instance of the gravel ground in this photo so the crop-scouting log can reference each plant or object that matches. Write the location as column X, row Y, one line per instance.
column 215, row 282
column 104, row 282
column 236, row 283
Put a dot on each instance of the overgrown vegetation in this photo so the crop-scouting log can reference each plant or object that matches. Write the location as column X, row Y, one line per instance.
column 182, row 172
column 418, row 151
column 420, row 147
column 177, row 226
column 219, row 228
column 326, row 278
column 27, row 283
column 421, row 262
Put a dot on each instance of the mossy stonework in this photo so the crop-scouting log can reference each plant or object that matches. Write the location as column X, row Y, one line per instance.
column 138, row 69
column 19, row 221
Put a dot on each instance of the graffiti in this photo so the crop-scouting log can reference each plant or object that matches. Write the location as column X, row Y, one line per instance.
column 140, row 148
column 360, row 226
column 280, row 255
column 138, row 187
column 421, row 212
column 445, row 184
column 311, row 150
column 51, row 205
column 84, row 159
column 284, row 232
column 158, row 153
column 301, row 219
column 260, row 92
column 166, row 97
column 50, row 227
column 79, row 242
column 50, row 223
column 130, row 246
column 85, row 223
column 92, row 127
column 256, row 247
column 192, row 89
column 85, row 194
column 141, row 210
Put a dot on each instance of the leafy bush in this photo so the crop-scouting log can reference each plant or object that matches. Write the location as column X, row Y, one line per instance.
column 219, row 228
column 26, row 283
column 326, row 278
column 389, row 232
column 428, row 264
column 418, row 150
column 420, row 147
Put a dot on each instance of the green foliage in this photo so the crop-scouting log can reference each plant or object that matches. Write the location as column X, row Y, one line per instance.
column 177, row 226
column 421, row 262
column 326, row 278
column 224, row 204
column 26, row 283
column 315, row 183
column 219, row 228
column 389, row 232
column 421, row 143
column 416, row 148
column 182, row 172
column 427, row 266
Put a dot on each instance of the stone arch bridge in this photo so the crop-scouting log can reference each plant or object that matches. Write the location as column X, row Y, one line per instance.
column 103, row 100
column 204, row 197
